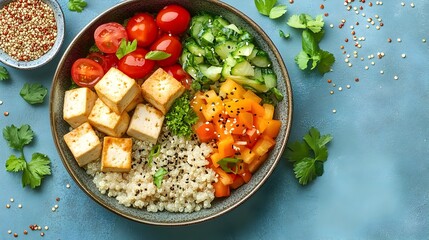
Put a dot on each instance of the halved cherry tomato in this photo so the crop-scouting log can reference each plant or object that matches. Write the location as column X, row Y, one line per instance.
column 173, row 19
column 107, row 61
column 86, row 72
column 135, row 65
column 179, row 74
column 168, row 44
column 108, row 36
column 143, row 28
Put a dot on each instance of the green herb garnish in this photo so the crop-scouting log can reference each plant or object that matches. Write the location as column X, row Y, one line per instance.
column 284, row 35
column 181, row 117
column 229, row 165
column 311, row 56
column 126, row 47
column 269, row 8
column 37, row 168
column 33, row 93
column 154, row 152
column 157, row 55
column 157, row 177
column 4, row 74
column 76, row 5
column 308, row 155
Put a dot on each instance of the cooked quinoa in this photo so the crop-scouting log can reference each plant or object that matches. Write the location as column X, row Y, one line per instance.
column 186, row 188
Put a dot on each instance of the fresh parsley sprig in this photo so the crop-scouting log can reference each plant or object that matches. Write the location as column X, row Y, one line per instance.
column 181, row 117
column 33, row 171
column 77, row 5
column 4, row 74
column 33, row 93
column 269, row 8
column 311, row 56
column 308, row 155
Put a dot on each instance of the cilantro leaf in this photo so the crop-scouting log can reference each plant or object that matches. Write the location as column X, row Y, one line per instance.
column 296, row 22
column 126, row 47
column 181, row 117
column 37, row 168
column 154, row 152
column 4, row 74
column 264, row 6
column 305, row 21
column 315, row 25
column 76, row 5
column 157, row 55
column 308, row 155
column 33, row 93
column 277, row 11
column 302, row 60
column 15, row 164
column 157, row 177
column 229, row 165
column 18, row 137
column 309, row 44
column 326, row 61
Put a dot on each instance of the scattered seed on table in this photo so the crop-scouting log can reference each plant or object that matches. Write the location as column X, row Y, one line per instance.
column 424, row 40
column 19, row 205
column 331, row 92
column 399, row 40
column 12, row 200
column 67, row 185
column 381, row 72
column 348, row 86
column 396, row 77
column 53, row 209
column 9, row 231
column 7, row 205
column 6, row 114
column 1, row 102
column 46, row 227
column 42, row 234
column 403, row 55
column 402, row 4
column 334, row 111
column 412, row 5
column 366, row 67
column 25, row 232
column 15, row 234
column 340, row 89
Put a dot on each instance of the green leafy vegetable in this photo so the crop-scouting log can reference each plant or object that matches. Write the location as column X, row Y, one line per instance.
column 33, row 93
column 308, row 155
column 4, row 74
column 157, row 55
column 181, row 116
column 154, row 152
column 94, row 49
column 284, row 35
column 277, row 11
column 311, row 56
column 229, row 165
column 269, row 8
column 157, row 177
column 76, row 5
column 37, row 168
column 126, row 47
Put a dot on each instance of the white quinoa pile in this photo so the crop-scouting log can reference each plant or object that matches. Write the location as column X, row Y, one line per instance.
column 187, row 186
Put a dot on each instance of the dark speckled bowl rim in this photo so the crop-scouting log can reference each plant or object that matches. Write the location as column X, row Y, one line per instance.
column 49, row 55
column 184, row 218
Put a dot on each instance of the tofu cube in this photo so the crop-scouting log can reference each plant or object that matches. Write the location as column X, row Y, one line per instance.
column 84, row 144
column 116, row 155
column 78, row 104
column 117, row 90
column 146, row 123
column 138, row 99
column 161, row 89
column 107, row 121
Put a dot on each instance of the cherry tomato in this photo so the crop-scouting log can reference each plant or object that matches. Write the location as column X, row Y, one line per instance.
column 168, row 44
column 181, row 75
column 143, row 28
column 106, row 61
column 86, row 72
column 108, row 36
column 135, row 65
column 173, row 19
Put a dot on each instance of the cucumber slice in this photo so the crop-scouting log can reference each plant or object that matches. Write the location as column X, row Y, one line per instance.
column 194, row 48
column 227, row 66
column 211, row 72
column 261, row 59
column 207, row 37
column 270, row 78
column 243, row 68
column 244, row 49
column 225, row 48
column 259, row 87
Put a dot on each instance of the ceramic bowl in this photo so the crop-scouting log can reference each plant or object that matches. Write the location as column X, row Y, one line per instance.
column 79, row 48
column 48, row 56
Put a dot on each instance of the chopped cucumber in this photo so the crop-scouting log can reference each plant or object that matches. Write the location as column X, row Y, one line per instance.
column 243, row 68
column 225, row 48
column 244, row 49
column 211, row 72
column 261, row 59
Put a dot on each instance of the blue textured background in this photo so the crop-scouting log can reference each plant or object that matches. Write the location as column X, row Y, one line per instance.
column 376, row 179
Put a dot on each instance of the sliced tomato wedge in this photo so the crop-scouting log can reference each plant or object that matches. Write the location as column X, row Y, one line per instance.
column 108, row 36
column 86, row 72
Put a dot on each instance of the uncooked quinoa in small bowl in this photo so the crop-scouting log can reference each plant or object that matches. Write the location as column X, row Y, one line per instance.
column 171, row 112
column 31, row 32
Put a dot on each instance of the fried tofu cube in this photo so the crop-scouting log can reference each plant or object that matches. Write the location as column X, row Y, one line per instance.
column 146, row 123
column 78, row 104
column 161, row 89
column 84, row 144
column 117, row 90
column 107, row 121
column 116, row 155
column 138, row 99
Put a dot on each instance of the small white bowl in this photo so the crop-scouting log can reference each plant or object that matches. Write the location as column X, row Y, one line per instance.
column 48, row 56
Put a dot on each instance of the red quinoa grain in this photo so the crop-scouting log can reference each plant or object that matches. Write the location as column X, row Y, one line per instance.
column 27, row 29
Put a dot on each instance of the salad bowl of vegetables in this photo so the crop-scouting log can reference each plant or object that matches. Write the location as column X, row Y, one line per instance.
column 171, row 112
